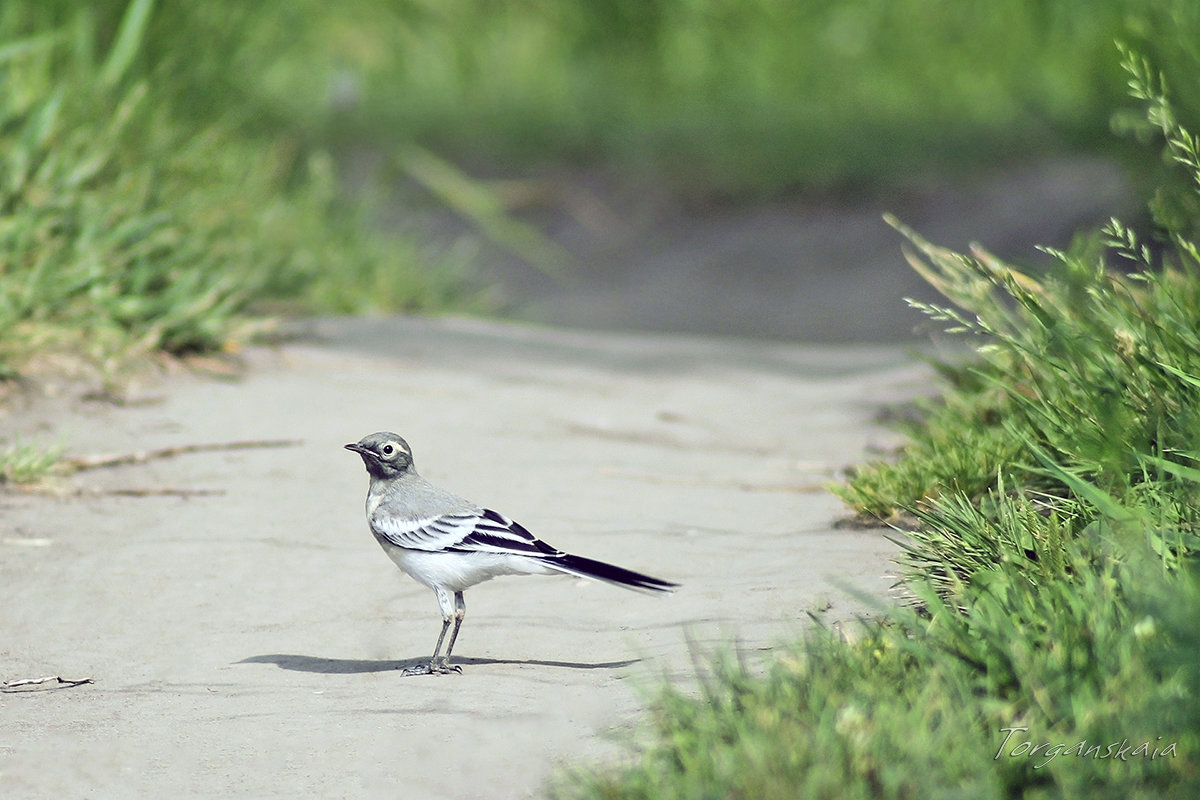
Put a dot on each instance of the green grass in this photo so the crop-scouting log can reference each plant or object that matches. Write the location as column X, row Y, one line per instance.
column 744, row 97
column 1086, row 366
column 759, row 96
column 916, row 707
column 726, row 97
column 126, row 227
column 1053, row 550
column 25, row 463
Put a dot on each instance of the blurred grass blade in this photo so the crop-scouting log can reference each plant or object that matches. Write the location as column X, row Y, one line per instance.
column 1089, row 492
column 24, row 463
column 1192, row 380
column 128, row 41
column 1176, row 469
column 32, row 44
column 473, row 200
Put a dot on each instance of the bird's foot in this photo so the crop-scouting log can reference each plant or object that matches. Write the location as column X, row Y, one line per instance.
column 432, row 668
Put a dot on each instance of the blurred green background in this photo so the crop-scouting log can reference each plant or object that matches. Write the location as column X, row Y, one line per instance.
column 169, row 166
column 728, row 96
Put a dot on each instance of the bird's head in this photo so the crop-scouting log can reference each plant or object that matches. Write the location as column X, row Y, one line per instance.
column 384, row 454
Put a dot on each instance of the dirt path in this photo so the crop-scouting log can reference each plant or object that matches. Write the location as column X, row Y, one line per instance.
column 804, row 268
column 243, row 641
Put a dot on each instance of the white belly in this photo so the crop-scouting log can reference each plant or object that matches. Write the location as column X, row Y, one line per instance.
column 460, row 571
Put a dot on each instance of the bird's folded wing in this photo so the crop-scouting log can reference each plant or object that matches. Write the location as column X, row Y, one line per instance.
column 484, row 531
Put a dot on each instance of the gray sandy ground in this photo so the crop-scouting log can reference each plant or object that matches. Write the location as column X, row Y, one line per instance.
column 245, row 642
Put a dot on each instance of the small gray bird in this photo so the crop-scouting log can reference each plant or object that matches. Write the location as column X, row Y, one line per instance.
column 450, row 544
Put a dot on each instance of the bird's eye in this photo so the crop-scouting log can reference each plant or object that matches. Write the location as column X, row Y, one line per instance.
column 388, row 449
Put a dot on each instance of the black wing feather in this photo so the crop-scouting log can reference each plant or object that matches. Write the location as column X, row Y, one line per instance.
column 495, row 532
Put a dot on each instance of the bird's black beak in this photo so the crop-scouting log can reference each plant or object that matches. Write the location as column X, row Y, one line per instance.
column 366, row 454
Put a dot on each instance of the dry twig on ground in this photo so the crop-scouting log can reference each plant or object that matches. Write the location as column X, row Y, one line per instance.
column 81, row 463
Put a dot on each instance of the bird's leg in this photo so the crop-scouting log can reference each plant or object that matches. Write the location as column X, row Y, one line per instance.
column 460, row 611
column 432, row 666
column 449, row 611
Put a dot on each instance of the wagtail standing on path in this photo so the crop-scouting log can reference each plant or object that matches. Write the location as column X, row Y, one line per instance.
column 450, row 544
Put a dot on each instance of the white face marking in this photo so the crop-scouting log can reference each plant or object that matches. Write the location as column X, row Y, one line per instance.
column 394, row 451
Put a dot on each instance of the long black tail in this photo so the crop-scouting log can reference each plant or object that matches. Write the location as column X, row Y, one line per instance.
column 598, row 570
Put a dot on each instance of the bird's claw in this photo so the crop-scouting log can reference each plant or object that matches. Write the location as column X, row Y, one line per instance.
column 432, row 668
